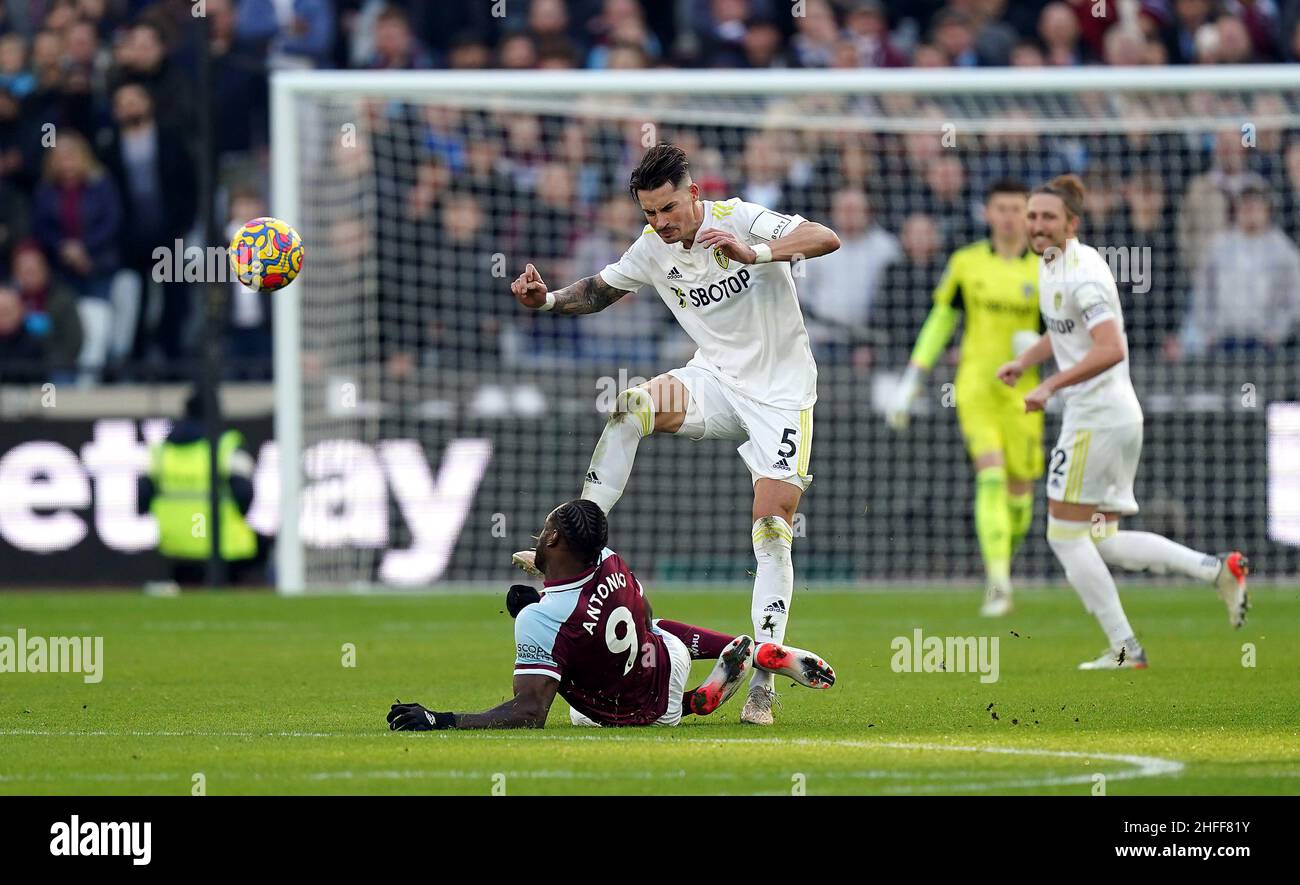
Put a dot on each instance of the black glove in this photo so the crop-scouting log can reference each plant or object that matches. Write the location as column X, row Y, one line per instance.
column 519, row 597
column 413, row 717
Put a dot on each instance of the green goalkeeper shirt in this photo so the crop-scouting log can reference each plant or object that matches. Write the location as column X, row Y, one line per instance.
column 999, row 297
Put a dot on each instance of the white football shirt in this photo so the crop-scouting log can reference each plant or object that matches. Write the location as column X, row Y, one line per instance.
column 1077, row 292
column 744, row 318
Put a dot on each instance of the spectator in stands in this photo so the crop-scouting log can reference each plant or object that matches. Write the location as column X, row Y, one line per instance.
column 1203, row 210
column 68, row 100
column 239, row 88
column 1103, row 207
column 628, row 332
column 20, row 143
column 1246, row 295
column 1125, row 46
column 14, row 75
column 909, row 284
column 627, row 57
column 464, row 313
column 1027, row 53
column 839, row 291
column 995, row 37
column 155, row 174
column 523, row 154
column 1094, row 20
column 22, row 354
column 722, row 33
column 1189, row 17
column 765, row 166
column 561, row 55
column 1059, row 29
column 944, row 196
column 621, row 22
column 1018, row 152
column 443, row 135
column 1155, row 285
column 763, row 46
column 77, row 217
column 1263, row 25
column 590, row 180
column 1291, row 191
column 548, row 21
column 952, row 32
column 867, row 27
column 296, row 33
column 468, row 51
column 457, row 34
column 517, row 52
column 817, row 34
column 141, row 57
column 396, row 46
column 1225, row 42
column 551, row 227
column 15, row 221
column 927, row 55
column 51, row 309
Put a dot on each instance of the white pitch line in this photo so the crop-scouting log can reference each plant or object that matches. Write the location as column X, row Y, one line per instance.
column 1142, row 766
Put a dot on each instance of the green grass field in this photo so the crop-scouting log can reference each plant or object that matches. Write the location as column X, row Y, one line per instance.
column 250, row 691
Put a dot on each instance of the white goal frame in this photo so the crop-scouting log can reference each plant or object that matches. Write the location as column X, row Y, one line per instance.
column 287, row 87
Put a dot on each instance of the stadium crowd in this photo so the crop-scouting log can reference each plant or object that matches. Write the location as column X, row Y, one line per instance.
column 98, row 168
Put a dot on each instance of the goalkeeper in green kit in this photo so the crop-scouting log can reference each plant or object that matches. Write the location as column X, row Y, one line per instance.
column 994, row 282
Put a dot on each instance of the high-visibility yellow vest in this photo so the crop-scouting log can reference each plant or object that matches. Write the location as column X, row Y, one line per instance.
column 180, row 475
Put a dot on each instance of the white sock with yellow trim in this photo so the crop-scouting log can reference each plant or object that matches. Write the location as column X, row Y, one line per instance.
column 633, row 418
column 773, row 585
column 1145, row 551
column 1091, row 579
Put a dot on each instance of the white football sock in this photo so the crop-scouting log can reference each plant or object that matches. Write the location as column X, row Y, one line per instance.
column 1091, row 579
column 1144, row 551
column 611, row 464
column 773, row 585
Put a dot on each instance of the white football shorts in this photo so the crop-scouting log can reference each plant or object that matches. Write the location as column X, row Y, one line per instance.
column 1096, row 466
column 778, row 442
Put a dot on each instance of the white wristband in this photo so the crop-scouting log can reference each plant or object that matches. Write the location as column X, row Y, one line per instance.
column 762, row 253
column 550, row 302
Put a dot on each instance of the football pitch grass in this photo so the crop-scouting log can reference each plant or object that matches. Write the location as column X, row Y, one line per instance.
column 251, row 691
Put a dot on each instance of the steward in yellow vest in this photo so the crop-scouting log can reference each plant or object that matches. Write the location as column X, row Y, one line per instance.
column 177, row 492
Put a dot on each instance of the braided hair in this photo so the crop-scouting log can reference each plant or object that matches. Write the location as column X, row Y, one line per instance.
column 584, row 528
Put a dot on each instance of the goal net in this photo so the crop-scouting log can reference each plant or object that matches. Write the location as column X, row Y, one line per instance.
column 426, row 423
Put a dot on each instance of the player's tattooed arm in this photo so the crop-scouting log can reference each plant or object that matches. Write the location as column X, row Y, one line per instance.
column 588, row 295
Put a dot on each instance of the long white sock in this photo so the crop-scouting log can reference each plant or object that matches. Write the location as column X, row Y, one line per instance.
column 773, row 585
column 1144, row 551
column 1091, row 579
column 611, row 464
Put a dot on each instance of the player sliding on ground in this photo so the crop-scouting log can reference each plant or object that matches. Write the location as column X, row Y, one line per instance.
column 995, row 283
column 723, row 270
column 1091, row 470
column 591, row 637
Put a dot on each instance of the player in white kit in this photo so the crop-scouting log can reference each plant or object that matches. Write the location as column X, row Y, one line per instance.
column 1091, row 470
column 723, row 269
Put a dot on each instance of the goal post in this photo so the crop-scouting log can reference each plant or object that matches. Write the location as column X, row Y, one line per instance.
column 425, row 423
